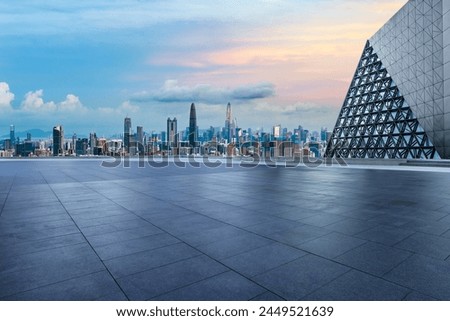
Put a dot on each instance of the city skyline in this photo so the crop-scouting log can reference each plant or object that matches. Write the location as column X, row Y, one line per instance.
column 150, row 60
column 129, row 130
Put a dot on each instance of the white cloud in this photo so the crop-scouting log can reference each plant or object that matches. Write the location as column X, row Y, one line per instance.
column 203, row 93
column 6, row 96
column 33, row 102
column 72, row 103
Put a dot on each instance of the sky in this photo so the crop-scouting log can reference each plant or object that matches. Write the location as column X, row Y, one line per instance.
column 88, row 64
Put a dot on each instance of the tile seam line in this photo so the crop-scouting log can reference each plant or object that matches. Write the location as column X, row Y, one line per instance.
column 54, row 283
column 7, row 195
column 87, row 241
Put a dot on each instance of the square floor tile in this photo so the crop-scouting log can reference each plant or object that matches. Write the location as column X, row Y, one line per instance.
column 374, row 258
column 295, row 280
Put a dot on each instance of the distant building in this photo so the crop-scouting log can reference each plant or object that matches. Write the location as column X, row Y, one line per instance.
column 193, row 130
column 276, row 131
column 58, row 141
column 230, row 125
column 92, row 142
column 127, row 133
column 12, row 136
column 81, row 146
column 172, row 134
column 140, row 139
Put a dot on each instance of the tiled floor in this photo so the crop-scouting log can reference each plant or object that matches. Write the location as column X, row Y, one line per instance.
column 74, row 230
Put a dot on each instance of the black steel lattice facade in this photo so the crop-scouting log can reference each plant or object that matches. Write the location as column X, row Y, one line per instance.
column 375, row 120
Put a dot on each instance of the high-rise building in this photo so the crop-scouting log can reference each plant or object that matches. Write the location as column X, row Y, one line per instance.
column 172, row 137
column 127, row 133
column 228, row 131
column 81, row 146
column 395, row 106
column 140, row 139
column 58, row 141
column 92, row 142
column 12, row 136
column 193, row 131
column 276, row 131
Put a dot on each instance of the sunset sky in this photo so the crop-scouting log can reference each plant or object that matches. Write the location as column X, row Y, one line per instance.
column 88, row 64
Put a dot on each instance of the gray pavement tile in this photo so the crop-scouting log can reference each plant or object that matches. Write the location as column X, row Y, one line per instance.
column 262, row 259
column 364, row 213
column 358, row 286
column 446, row 234
column 131, row 224
column 36, row 235
column 417, row 296
column 385, row 234
column 85, row 288
column 426, row 275
column 152, row 283
column 30, row 227
column 116, row 218
column 299, row 235
column 331, row 245
column 247, row 219
column 350, row 226
column 228, row 286
column 321, row 220
column 373, row 258
column 212, row 235
column 135, row 245
column 392, row 219
column 33, row 211
column 114, row 296
column 8, row 220
column 189, row 223
column 428, row 227
column 230, row 247
column 20, row 248
column 428, row 245
column 267, row 296
column 50, row 267
column 296, row 279
column 276, row 225
column 123, row 235
column 150, row 259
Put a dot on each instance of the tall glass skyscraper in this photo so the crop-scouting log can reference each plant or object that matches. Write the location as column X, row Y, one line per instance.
column 12, row 136
column 193, row 135
column 126, row 133
column 58, row 141
column 172, row 137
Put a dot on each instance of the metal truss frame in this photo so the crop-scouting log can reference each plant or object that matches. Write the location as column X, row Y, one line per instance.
column 375, row 120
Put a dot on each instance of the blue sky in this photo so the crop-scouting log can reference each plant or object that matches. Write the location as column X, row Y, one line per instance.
column 88, row 64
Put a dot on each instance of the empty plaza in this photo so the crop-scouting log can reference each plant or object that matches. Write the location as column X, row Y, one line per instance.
column 77, row 230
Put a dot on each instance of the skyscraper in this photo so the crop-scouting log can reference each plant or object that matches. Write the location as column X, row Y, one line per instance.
column 140, row 139
column 126, row 133
column 228, row 120
column 12, row 136
column 58, row 141
column 172, row 137
column 92, row 142
column 193, row 135
column 395, row 106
